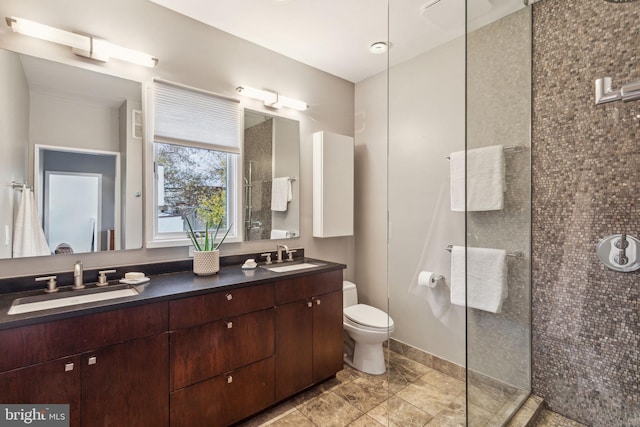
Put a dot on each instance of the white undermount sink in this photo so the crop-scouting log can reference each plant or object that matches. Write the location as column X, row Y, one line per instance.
column 292, row 267
column 69, row 298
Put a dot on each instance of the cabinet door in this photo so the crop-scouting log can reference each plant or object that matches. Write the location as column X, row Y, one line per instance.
column 294, row 357
column 328, row 347
column 52, row 382
column 127, row 384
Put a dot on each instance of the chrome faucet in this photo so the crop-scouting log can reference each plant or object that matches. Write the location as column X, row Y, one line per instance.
column 279, row 249
column 77, row 276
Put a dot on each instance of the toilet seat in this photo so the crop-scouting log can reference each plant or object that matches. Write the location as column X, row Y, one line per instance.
column 368, row 317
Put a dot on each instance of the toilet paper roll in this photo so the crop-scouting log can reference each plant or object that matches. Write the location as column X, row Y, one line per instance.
column 427, row 278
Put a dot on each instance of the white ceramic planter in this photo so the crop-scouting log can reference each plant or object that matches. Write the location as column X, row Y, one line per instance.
column 206, row 263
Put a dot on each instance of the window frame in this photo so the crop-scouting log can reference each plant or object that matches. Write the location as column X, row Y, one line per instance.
column 234, row 188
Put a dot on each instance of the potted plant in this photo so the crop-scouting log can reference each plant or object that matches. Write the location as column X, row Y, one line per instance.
column 206, row 254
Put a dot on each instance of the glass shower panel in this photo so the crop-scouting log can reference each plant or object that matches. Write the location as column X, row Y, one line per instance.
column 498, row 320
column 426, row 123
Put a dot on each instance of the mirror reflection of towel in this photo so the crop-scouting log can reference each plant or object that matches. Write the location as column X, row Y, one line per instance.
column 280, row 194
column 28, row 237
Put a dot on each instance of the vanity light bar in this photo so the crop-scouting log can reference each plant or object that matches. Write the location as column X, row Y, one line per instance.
column 86, row 46
column 272, row 99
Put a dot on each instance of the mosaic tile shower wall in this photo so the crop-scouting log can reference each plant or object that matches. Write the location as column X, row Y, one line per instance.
column 586, row 185
column 258, row 150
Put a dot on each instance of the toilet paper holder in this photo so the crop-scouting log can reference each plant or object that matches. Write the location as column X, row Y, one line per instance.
column 427, row 278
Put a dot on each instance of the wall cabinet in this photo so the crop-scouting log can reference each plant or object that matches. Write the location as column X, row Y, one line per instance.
column 333, row 185
column 309, row 337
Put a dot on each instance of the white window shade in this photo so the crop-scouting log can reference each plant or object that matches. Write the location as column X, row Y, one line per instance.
column 183, row 114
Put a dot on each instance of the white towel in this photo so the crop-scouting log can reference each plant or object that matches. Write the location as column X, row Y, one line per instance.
column 280, row 234
column 486, row 280
column 28, row 237
column 281, row 194
column 485, row 179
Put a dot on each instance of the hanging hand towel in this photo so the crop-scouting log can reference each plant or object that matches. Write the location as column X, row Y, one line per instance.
column 280, row 234
column 486, row 279
column 280, row 194
column 485, row 179
column 28, row 237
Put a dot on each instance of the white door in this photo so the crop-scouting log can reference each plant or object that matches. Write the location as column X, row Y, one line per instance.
column 72, row 210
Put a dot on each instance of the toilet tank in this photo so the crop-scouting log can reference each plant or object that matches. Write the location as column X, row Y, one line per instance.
column 349, row 294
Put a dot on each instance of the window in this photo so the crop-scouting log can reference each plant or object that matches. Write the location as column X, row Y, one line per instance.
column 195, row 146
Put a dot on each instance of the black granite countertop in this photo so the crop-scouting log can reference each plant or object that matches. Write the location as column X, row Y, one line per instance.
column 161, row 287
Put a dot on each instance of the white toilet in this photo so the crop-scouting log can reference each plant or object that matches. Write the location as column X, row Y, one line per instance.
column 366, row 328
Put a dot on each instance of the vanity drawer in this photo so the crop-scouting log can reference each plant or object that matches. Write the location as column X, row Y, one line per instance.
column 226, row 398
column 207, row 350
column 298, row 288
column 33, row 344
column 201, row 309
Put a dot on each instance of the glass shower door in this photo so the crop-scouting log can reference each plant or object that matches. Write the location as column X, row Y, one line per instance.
column 498, row 319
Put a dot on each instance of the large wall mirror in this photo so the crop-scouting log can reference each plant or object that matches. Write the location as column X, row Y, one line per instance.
column 271, row 166
column 75, row 137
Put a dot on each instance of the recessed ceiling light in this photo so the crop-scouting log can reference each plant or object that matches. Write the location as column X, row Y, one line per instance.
column 378, row 47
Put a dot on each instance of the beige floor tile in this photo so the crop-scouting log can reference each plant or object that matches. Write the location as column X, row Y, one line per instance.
column 330, row 410
column 427, row 397
column 399, row 413
column 443, row 382
column 290, row 419
column 364, row 393
column 448, row 418
column 365, row 421
column 269, row 414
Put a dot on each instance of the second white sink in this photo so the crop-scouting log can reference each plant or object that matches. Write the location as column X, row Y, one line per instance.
column 292, row 267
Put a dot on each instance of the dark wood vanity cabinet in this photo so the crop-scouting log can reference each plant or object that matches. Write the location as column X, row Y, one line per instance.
column 52, row 382
column 111, row 367
column 309, row 337
column 222, row 356
column 206, row 360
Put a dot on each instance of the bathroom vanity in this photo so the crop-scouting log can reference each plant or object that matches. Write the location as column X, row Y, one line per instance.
column 186, row 351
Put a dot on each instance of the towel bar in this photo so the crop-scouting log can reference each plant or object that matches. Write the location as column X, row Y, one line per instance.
column 514, row 148
column 19, row 186
column 516, row 254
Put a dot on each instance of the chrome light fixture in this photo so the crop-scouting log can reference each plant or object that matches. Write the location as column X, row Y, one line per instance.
column 82, row 45
column 272, row 99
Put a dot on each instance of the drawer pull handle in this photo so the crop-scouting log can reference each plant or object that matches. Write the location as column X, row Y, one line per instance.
column 93, row 360
column 229, row 325
column 229, row 379
column 68, row 367
column 309, row 304
column 229, row 297
column 317, row 302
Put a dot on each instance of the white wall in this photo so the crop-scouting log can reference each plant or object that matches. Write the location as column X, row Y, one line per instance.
column 426, row 123
column 194, row 54
column 14, row 131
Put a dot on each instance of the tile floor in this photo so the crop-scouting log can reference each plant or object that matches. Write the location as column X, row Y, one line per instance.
column 417, row 396
column 411, row 395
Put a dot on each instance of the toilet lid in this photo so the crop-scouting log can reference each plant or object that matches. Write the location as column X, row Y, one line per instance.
column 368, row 316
